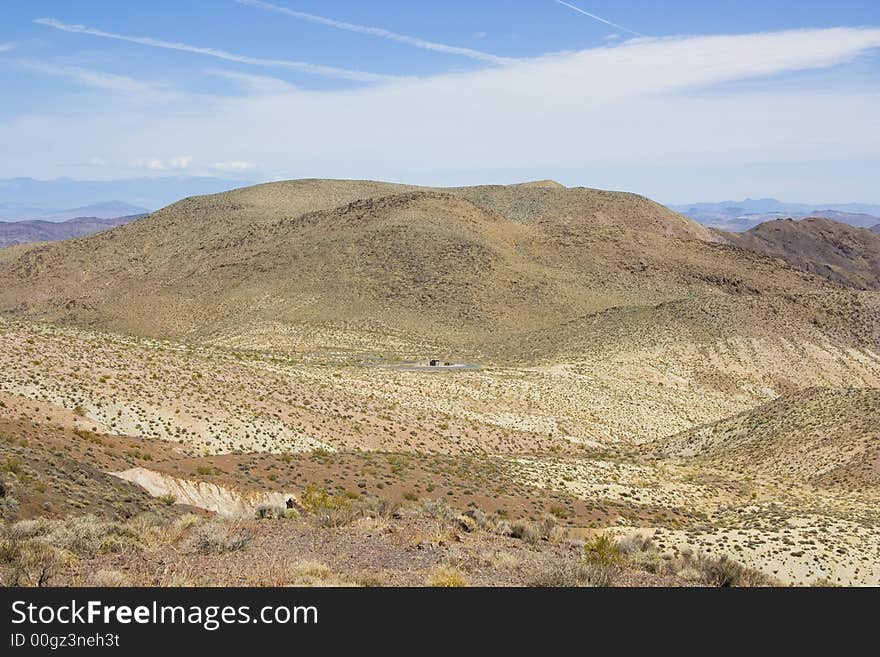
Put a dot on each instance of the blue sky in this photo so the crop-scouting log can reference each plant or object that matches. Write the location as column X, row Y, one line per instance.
column 679, row 100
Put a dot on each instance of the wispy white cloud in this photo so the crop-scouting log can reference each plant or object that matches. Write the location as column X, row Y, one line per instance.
column 177, row 163
column 90, row 78
column 302, row 67
column 258, row 84
column 6, row 47
column 235, row 166
column 380, row 32
column 599, row 18
column 647, row 103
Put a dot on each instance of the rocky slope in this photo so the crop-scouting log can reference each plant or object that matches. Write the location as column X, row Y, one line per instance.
column 838, row 252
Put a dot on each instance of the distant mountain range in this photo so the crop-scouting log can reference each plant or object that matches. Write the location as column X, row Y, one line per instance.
column 64, row 198
column 22, row 232
column 739, row 216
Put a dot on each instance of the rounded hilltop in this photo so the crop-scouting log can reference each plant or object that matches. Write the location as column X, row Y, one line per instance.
column 540, row 184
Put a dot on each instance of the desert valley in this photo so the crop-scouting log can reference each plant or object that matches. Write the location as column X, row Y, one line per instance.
column 239, row 389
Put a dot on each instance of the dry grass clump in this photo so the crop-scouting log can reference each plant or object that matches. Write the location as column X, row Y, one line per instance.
column 109, row 578
column 31, row 562
column 640, row 552
column 328, row 509
column 600, row 566
column 723, row 571
column 34, row 552
column 340, row 508
column 314, row 573
column 448, row 577
column 532, row 532
column 80, row 535
column 571, row 574
column 500, row 560
column 219, row 537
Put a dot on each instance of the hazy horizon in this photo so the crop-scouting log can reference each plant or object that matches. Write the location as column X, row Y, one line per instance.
column 681, row 103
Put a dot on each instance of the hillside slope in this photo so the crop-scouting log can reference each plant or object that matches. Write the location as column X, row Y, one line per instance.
column 524, row 272
column 843, row 254
column 819, row 435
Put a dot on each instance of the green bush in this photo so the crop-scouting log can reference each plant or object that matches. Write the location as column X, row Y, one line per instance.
column 603, row 550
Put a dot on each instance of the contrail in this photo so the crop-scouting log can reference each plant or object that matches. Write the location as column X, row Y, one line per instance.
column 380, row 32
column 600, row 19
column 304, row 67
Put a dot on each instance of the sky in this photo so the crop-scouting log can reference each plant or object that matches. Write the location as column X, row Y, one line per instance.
column 682, row 100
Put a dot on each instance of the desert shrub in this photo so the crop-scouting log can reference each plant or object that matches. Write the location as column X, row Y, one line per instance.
column 8, row 502
column 88, row 536
column 269, row 512
column 649, row 561
column 121, row 544
column 328, row 509
column 314, row 573
column 13, row 466
column 603, row 550
column 376, row 507
column 448, row 577
column 372, row 579
column 219, row 537
column 109, row 578
column 525, row 530
column 824, row 583
column 168, row 499
column 559, row 534
column 546, row 526
column 31, row 562
column 501, row 560
column 553, row 574
column 635, row 543
column 717, row 571
column 439, row 509
column 503, row 528
column 641, row 553
column 466, row 523
column 723, row 571
column 599, row 575
column 482, row 520
column 155, row 529
column 309, row 573
column 26, row 529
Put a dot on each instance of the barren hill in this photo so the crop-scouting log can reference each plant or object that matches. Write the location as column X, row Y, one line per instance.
column 820, row 435
column 841, row 253
column 459, row 266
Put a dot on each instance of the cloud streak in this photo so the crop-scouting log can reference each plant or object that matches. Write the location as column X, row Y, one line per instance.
column 600, row 19
column 177, row 163
column 302, row 67
column 90, row 78
column 6, row 47
column 234, row 166
column 649, row 103
column 380, row 32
